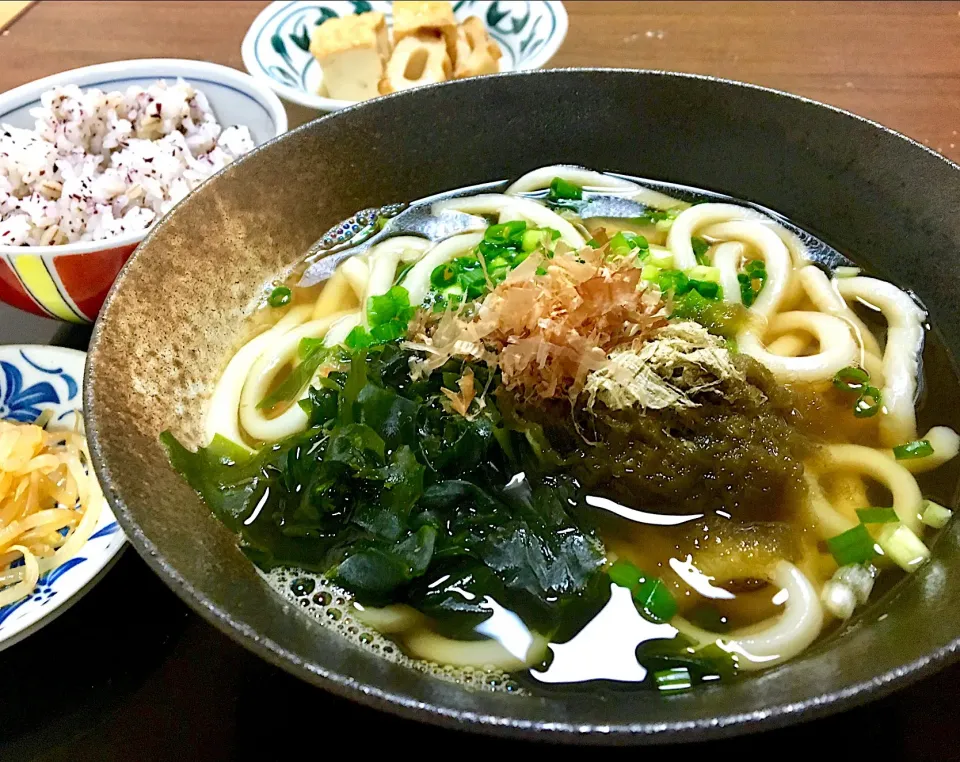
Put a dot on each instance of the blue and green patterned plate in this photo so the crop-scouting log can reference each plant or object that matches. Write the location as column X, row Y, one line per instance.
column 276, row 48
column 34, row 379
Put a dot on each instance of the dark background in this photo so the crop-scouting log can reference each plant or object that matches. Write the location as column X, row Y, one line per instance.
column 130, row 673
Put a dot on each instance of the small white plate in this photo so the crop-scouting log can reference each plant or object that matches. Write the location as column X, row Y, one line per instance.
column 276, row 48
column 34, row 379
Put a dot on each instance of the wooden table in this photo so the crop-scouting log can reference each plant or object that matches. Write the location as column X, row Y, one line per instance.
column 154, row 681
column 897, row 62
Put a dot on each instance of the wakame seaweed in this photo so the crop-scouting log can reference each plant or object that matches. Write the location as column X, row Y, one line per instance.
column 400, row 500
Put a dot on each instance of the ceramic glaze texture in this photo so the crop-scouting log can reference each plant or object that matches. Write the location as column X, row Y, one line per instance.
column 171, row 322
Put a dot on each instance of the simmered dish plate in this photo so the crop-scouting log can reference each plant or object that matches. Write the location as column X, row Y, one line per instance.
column 660, row 450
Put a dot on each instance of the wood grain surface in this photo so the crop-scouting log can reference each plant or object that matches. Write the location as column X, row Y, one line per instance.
column 895, row 62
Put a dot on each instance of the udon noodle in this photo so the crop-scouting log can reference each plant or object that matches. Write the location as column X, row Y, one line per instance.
column 818, row 369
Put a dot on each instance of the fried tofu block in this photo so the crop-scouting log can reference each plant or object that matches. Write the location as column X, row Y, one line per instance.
column 477, row 52
column 425, row 20
column 417, row 60
column 352, row 52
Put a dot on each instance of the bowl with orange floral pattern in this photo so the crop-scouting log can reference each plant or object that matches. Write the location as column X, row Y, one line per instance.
column 91, row 158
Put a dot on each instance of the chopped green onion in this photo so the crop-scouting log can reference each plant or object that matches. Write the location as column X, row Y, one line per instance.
column 625, row 574
column 650, row 273
column 921, row 448
column 561, row 190
column 706, row 288
column 625, row 242
column 443, row 275
column 903, row 547
column 747, row 294
column 673, row 680
column 851, row 379
column 877, row 515
column 280, row 297
column 935, row 515
column 531, row 240
column 655, row 600
column 731, row 345
column 505, row 233
column 855, row 546
column 675, row 281
column 846, row 272
column 756, row 268
column 868, row 403
column 703, row 272
column 662, row 258
column 593, row 243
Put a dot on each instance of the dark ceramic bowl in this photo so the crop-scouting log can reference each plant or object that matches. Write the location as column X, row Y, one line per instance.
column 171, row 320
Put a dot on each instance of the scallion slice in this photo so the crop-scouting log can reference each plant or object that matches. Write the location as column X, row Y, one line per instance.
column 625, row 574
column 706, row 288
column 505, row 232
column 868, row 403
column 280, row 297
column 851, row 379
column 935, row 515
column 903, row 547
column 855, row 546
column 655, row 600
column 673, row 680
column 877, row 515
column 921, row 448
column 561, row 190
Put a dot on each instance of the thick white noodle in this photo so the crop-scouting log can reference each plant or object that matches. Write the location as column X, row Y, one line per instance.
column 357, row 272
column 387, row 620
column 828, row 520
column 483, row 654
column 341, row 329
column 779, row 638
column 907, row 498
column 837, row 347
column 726, row 258
column 417, row 280
column 827, row 299
column 279, row 354
column 901, row 356
column 338, row 295
column 692, row 219
column 772, row 251
column 410, row 247
column 222, row 413
column 590, row 180
column 789, row 345
column 946, row 445
column 516, row 206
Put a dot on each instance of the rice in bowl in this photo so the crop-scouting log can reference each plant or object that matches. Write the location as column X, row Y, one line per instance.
column 103, row 164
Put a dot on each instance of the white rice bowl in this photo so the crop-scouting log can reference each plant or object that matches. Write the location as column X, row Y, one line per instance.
column 100, row 165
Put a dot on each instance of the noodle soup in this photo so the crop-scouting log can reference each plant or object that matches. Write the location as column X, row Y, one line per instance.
column 556, row 448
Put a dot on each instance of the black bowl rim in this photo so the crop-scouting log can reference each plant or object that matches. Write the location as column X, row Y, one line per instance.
column 720, row 726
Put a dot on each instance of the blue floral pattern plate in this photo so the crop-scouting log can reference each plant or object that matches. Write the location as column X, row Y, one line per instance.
column 34, row 379
column 276, row 48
